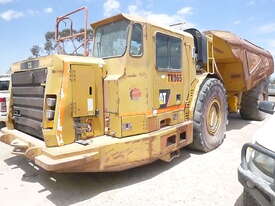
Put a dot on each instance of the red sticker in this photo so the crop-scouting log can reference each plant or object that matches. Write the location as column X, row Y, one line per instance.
column 135, row 94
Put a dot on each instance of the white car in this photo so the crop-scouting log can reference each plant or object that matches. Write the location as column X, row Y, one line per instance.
column 4, row 98
column 257, row 170
column 271, row 89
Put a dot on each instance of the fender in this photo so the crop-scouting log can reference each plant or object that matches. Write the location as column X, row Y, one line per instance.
column 194, row 92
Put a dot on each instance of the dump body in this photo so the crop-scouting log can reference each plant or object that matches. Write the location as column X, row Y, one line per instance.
column 242, row 64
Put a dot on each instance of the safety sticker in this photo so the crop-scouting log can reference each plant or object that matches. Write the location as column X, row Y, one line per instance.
column 90, row 104
column 164, row 97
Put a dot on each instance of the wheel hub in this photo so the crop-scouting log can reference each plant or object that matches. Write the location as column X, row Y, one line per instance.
column 213, row 118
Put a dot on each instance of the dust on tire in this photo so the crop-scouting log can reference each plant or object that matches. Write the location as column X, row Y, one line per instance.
column 250, row 102
column 211, row 89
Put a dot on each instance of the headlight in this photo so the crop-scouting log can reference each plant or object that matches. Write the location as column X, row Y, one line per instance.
column 50, row 107
column 263, row 162
column 50, row 114
column 51, row 102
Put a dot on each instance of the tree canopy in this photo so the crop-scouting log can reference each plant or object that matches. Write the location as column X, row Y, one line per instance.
column 50, row 45
column 35, row 50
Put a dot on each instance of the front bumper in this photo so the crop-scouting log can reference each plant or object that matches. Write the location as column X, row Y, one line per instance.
column 104, row 153
column 260, row 189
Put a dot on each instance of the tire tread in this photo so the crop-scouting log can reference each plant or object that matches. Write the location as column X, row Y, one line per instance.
column 198, row 141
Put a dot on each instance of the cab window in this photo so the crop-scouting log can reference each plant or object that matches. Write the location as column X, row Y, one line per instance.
column 168, row 52
column 136, row 45
column 111, row 39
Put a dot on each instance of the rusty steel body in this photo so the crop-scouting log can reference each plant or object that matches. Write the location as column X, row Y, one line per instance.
column 125, row 125
column 242, row 64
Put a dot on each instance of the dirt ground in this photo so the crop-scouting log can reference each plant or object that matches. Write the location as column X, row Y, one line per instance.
column 194, row 179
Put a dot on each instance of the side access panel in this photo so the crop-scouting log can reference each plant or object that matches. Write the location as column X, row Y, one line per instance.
column 83, row 90
column 87, row 100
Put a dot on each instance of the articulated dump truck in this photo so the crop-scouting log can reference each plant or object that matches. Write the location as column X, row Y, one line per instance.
column 147, row 92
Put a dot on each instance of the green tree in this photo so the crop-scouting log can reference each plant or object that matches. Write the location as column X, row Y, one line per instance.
column 50, row 44
column 35, row 50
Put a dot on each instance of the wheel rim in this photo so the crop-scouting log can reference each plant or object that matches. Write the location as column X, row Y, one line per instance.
column 213, row 120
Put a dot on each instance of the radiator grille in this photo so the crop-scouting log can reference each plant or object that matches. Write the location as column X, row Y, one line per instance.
column 28, row 99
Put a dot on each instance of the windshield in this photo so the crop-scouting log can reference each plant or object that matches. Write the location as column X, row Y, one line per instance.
column 111, row 39
column 4, row 85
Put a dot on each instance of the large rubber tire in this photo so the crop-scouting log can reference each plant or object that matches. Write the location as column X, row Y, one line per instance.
column 248, row 200
column 250, row 102
column 211, row 94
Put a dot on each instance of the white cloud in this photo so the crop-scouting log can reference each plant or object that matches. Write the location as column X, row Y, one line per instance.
column 164, row 19
column 111, row 7
column 11, row 14
column 272, row 51
column 251, row 3
column 237, row 22
column 48, row 10
column 32, row 12
column 185, row 10
column 272, row 43
column 5, row 1
column 272, row 47
column 267, row 28
column 132, row 9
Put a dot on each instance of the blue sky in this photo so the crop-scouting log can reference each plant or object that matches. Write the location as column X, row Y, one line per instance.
column 23, row 23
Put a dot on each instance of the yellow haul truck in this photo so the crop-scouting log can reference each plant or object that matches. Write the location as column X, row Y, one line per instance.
column 147, row 92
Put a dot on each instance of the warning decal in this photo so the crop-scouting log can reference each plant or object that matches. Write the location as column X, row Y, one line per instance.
column 164, row 97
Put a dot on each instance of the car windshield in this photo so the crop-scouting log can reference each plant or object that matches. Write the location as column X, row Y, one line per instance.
column 4, row 85
column 111, row 39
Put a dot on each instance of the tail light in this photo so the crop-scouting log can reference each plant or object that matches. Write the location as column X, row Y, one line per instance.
column 51, row 103
column 3, row 104
column 50, row 114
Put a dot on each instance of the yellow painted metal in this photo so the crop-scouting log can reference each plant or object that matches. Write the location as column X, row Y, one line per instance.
column 194, row 91
column 83, row 80
column 230, row 67
column 213, row 117
column 233, row 103
column 104, row 153
column 130, row 87
column 132, row 125
column 61, row 131
column 122, row 118
column 128, row 73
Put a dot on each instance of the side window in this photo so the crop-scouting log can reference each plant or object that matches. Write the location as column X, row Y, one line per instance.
column 162, row 51
column 168, row 52
column 136, row 45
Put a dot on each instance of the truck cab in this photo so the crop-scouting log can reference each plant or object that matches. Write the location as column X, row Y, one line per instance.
column 148, row 74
